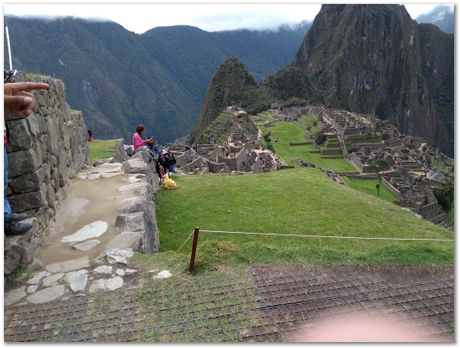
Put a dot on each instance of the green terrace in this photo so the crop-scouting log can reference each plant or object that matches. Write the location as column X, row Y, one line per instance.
column 300, row 201
column 101, row 149
column 286, row 133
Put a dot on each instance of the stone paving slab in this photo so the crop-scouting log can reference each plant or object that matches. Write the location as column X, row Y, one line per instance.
column 265, row 304
column 67, row 266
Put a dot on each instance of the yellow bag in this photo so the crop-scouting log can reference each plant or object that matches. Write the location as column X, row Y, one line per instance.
column 169, row 183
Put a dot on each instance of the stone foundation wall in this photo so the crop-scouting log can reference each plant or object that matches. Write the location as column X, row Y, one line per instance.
column 136, row 220
column 46, row 150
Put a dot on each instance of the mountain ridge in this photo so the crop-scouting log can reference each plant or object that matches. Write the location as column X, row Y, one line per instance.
column 120, row 79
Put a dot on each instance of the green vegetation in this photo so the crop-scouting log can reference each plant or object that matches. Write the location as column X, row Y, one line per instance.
column 292, row 201
column 451, row 216
column 288, row 132
column 218, row 130
column 174, row 66
column 226, row 88
column 34, row 75
column 438, row 164
column 17, row 275
column 369, row 186
column 191, row 299
column 101, row 149
column 254, row 99
column 261, row 117
column 445, row 197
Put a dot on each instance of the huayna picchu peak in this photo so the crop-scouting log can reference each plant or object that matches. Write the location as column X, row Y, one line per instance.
column 231, row 84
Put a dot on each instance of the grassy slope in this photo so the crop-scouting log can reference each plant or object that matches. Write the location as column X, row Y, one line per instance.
column 101, row 149
column 287, row 132
column 292, row 201
column 368, row 186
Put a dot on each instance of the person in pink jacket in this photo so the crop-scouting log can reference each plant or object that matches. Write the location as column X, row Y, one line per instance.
column 137, row 138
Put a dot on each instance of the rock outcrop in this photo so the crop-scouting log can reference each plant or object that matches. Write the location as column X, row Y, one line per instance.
column 46, row 150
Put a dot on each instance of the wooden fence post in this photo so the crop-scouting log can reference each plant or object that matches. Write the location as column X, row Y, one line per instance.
column 194, row 244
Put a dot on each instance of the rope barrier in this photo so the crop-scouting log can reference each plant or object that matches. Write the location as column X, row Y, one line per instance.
column 185, row 241
column 329, row 237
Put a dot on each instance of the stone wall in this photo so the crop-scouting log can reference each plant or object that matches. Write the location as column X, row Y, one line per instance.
column 119, row 154
column 46, row 150
column 136, row 219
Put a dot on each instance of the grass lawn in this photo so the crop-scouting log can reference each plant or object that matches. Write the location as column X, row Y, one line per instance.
column 300, row 201
column 288, row 132
column 101, row 149
column 368, row 186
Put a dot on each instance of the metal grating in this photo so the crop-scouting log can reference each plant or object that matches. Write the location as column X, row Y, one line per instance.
column 266, row 304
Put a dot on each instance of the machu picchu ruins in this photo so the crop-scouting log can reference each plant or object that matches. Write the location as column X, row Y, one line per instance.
column 375, row 148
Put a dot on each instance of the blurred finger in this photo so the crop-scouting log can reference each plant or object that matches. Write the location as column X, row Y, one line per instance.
column 18, row 105
column 28, row 86
column 27, row 94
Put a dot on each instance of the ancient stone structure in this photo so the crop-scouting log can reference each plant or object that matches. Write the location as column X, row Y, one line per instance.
column 375, row 147
column 46, row 150
column 240, row 152
column 137, row 218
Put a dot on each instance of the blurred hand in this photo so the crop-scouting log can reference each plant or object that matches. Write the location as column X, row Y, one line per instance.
column 18, row 100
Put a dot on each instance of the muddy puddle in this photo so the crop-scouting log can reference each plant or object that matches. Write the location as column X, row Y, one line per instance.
column 87, row 201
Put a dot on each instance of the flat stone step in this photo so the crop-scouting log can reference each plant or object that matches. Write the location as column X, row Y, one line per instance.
column 69, row 265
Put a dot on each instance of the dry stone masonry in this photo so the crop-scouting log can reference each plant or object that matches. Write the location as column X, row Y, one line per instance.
column 46, row 150
column 104, row 266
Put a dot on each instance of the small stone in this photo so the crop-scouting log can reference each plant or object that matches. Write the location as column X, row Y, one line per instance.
column 52, row 279
column 106, row 284
column 77, row 280
column 85, row 246
column 46, row 295
column 163, row 275
column 31, row 289
column 109, row 175
column 14, row 295
column 35, row 265
column 92, row 230
column 130, row 271
column 120, row 272
column 94, row 176
column 111, row 167
column 103, row 270
column 119, row 255
column 67, row 266
column 132, row 179
column 37, row 277
column 98, row 261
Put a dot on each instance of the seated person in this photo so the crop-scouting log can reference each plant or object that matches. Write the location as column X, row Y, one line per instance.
column 152, row 147
column 162, row 163
column 137, row 140
column 171, row 162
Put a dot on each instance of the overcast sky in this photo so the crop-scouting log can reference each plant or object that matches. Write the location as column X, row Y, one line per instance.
column 140, row 17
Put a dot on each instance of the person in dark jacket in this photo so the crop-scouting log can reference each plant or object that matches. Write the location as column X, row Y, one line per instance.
column 171, row 162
